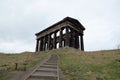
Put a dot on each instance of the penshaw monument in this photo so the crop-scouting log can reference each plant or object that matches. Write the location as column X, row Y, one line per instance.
column 67, row 32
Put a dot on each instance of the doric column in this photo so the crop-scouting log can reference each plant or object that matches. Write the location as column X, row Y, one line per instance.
column 82, row 43
column 67, row 40
column 72, row 38
column 44, row 45
column 41, row 44
column 60, row 38
column 49, row 41
column 37, row 45
column 51, row 46
column 76, row 40
column 54, row 40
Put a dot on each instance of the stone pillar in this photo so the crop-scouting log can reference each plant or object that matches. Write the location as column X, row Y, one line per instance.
column 41, row 44
column 82, row 44
column 60, row 38
column 51, row 46
column 54, row 41
column 37, row 45
column 44, row 43
column 73, row 38
column 49, row 41
column 76, row 40
column 70, row 37
column 67, row 40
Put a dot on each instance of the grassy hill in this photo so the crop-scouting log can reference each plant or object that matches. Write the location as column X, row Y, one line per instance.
column 75, row 64
column 96, row 65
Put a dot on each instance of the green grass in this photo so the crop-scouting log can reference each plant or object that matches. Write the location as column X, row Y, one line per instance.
column 75, row 64
column 24, row 60
column 99, row 65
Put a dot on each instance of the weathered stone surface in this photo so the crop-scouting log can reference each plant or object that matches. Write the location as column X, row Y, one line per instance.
column 67, row 32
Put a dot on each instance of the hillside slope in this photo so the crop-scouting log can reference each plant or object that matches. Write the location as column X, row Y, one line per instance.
column 96, row 65
column 75, row 64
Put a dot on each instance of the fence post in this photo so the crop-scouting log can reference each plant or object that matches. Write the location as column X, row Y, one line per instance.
column 25, row 66
column 16, row 66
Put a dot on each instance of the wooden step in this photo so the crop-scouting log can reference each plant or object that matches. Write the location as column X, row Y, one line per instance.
column 49, row 66
column 43, row 78
column 46, row 69
column 44, row 75
column 50, row 63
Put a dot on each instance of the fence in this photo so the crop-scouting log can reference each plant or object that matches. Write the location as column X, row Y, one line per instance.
column 15, row 66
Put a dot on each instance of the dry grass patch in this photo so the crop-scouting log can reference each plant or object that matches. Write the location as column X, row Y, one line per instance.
column 98, row 65
column 24, row 61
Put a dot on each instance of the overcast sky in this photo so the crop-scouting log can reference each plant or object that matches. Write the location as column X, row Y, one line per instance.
column 21, row 19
